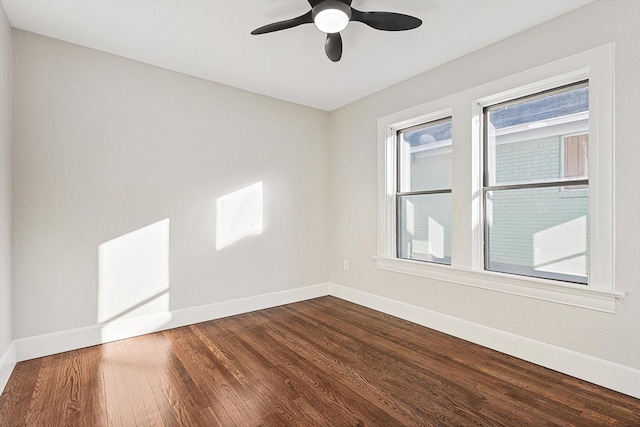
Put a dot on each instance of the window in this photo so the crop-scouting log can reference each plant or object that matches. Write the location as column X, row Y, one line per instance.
column 520, row 198
column 529, row 228
column 423, row 192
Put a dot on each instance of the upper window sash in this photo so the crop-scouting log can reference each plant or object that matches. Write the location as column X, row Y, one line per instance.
column 515, row 127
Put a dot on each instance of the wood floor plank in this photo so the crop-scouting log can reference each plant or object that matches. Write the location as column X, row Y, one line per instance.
column 185, row 401
column 92, row 398
column 322, row 362
column 397, row 373
column 120, row 406
column 374, row 363
column 406, row 368
column 369, row 393
column 224, row 400
column 452, row 381
column 155, row 350
column 68, row 391
column 16, row 398
column 42, row 394
column 264, row 375
column 462, row 367
column 256, row 390
column 302, row 375
column 561, row 407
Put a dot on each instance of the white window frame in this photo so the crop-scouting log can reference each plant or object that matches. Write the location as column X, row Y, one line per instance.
column 465, row 108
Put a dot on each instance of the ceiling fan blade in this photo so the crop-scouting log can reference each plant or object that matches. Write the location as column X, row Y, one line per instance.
column 283, row 25
column 333, row 46
column 386, row 21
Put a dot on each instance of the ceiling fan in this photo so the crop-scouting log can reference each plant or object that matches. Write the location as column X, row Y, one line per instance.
column 333, row 16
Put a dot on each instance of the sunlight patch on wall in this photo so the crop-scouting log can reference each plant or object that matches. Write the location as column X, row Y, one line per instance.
column 133, row 274
column 239, row 215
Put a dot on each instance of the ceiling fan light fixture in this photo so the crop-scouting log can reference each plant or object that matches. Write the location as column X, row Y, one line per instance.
column 331, row 16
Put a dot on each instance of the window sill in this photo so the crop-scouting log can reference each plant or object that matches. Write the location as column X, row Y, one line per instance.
column 541, row 289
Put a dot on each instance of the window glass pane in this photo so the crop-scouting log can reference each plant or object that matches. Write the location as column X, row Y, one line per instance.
column 425, row 157
column 424, row 227
column 526, row 138
column 537, row 232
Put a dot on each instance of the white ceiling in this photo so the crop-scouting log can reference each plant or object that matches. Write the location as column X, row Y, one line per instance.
column 210, row 39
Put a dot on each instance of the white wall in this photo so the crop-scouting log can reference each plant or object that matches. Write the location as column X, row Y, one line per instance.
column 353, row 163
column 106, row 147
column 6, row 299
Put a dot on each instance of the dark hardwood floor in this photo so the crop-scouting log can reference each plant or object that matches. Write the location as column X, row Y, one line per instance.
column 323, row 362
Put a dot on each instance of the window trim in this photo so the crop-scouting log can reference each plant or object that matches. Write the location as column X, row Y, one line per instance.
column 467, row 269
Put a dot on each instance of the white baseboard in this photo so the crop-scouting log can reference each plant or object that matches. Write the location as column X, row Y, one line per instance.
column 8, row 361
column 607, row 374
column 601, row 372
column 58, row 342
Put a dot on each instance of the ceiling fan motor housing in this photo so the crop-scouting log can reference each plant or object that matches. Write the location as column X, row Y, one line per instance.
column 329, row 16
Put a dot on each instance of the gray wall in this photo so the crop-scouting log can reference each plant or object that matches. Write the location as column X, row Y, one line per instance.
column 353, row 161
column 106, row 147
column 6, row 300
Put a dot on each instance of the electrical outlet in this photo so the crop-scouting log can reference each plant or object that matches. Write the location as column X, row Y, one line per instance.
column 345, row 265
